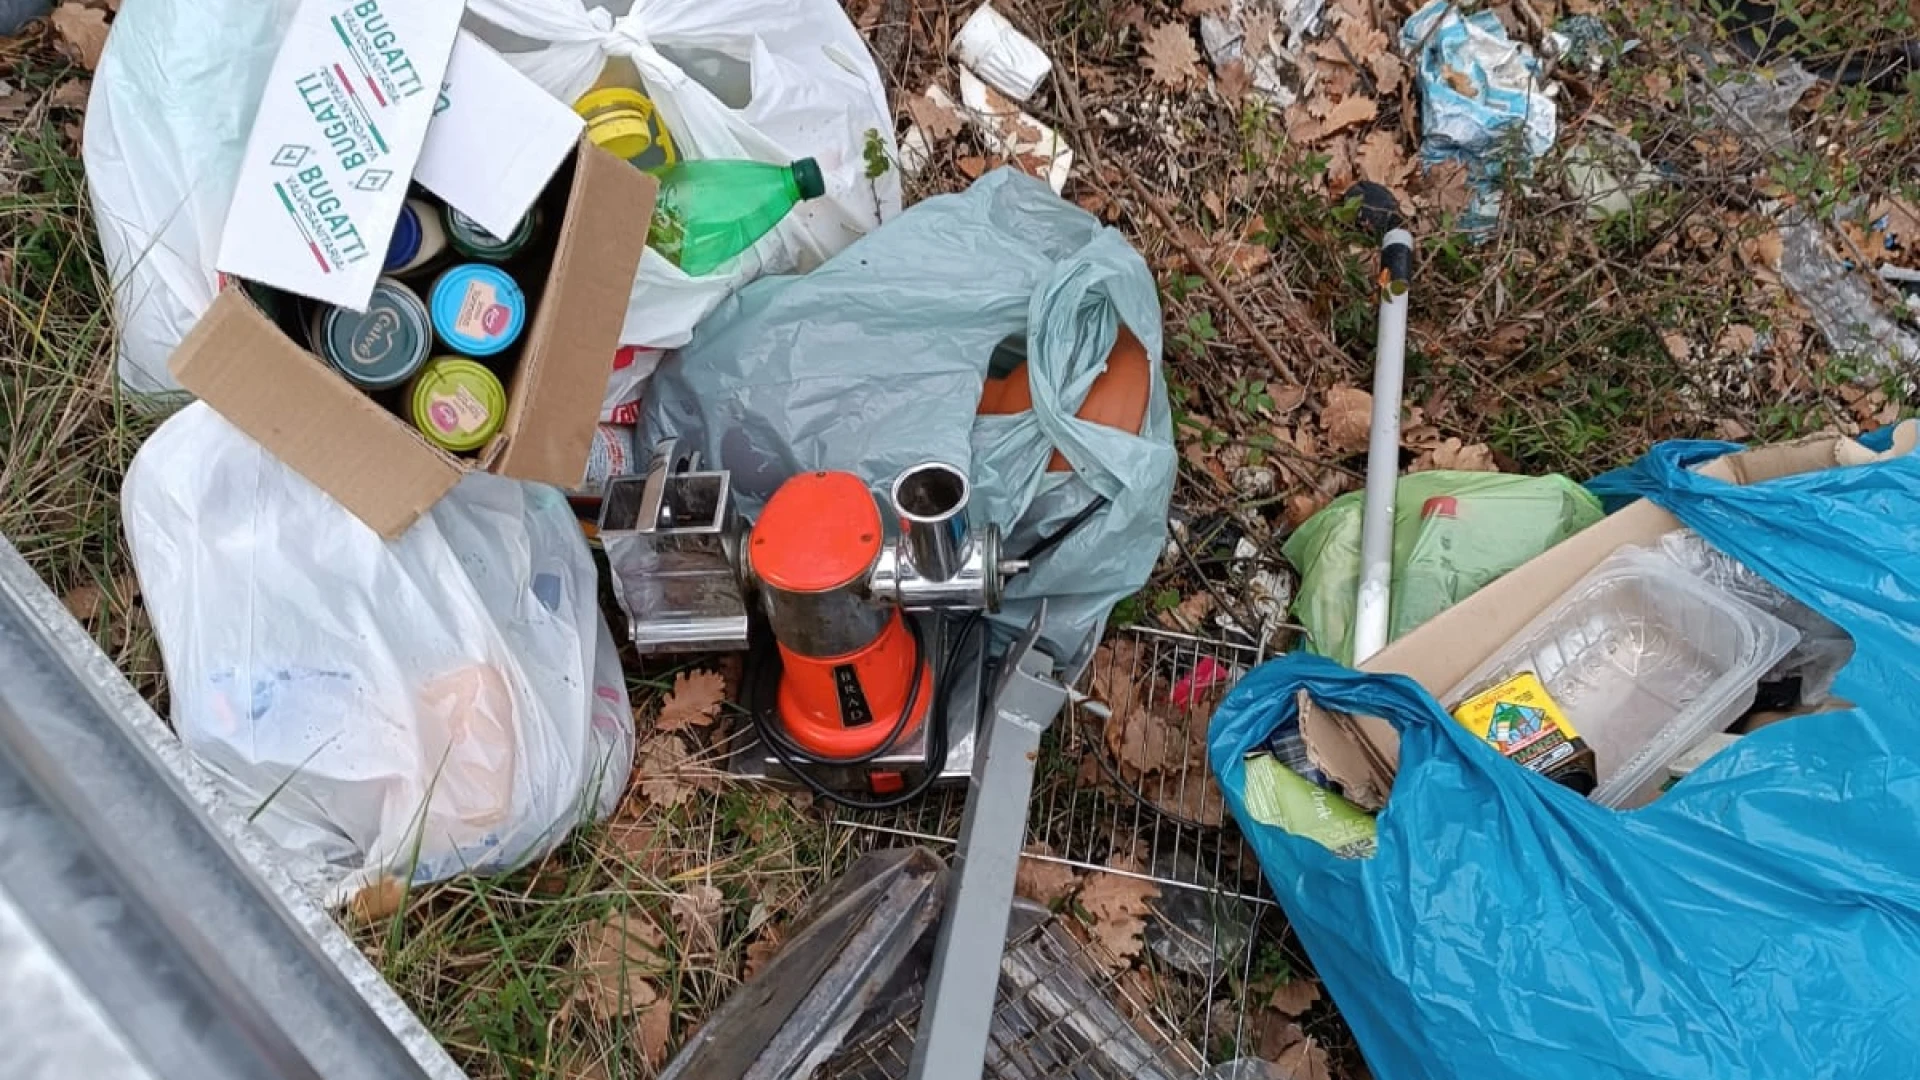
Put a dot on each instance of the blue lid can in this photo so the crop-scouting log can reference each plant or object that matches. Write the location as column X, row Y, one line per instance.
column 478, row 309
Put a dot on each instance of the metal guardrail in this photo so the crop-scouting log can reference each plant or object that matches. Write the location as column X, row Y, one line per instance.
column 145, row 932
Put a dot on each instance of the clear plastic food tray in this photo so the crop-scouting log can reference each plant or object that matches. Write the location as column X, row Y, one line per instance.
column 1644, row 659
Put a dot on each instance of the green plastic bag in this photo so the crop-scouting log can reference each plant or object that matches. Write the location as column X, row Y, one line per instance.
column 1453, row 533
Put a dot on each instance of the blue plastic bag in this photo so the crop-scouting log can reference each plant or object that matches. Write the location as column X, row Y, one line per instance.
column 1762, row 919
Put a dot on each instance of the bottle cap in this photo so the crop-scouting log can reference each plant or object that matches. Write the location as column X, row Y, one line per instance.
column 806, row 177
column 406, row 240
column 478, row 310
column 382, row 347
column 457, row 403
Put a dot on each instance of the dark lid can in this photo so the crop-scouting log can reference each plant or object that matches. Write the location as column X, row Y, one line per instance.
column 380, row 348
column 469, row 239
column 406, row 240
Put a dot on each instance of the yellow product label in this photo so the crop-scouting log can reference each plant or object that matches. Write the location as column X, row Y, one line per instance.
column 1521, row 720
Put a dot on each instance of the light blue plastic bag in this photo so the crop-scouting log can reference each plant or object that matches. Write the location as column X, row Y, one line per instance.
column 876, row 362
column 1761, row 920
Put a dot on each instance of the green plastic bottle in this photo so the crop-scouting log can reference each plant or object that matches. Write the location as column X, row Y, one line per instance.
column 710, row 211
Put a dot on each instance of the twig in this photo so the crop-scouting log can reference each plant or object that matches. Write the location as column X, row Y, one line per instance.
column 1214, row 285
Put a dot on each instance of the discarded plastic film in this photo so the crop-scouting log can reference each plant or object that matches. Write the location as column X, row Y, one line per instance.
column 1483, row 102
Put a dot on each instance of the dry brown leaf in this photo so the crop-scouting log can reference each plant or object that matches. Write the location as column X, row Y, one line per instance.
column 1170, row 56
column 1388, row 71
column 1196, row 8
column 1460, row 81
column 658, row 766
column 1234, row 81
column 1351, row 112
column 1191, row 614
column 971, row 166
column 1738, row 341
column 1509, row 340
column 760, row 953
column 1238, row 259
column 1731, row 430
column 615, row 957
column 1363, row 41
column 1347, row 418
column 1043, row 880
column 656, row 1030
column 1453, row 454
column 696, row 914
column 1305, row 1060
column 1138, row 738
column 1118, row 905
column 1295, row 996
column 1678, row 345
column 81, row 32
column 71, row 94
column 694, row 701
column 1381, row 161
column 1257, row 34
column 1301, row 506
column 83, row 601
column 377, row 901
column 1445, row 186
column 937, row 119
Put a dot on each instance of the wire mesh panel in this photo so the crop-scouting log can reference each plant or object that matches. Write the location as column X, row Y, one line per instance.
column 1122, row 790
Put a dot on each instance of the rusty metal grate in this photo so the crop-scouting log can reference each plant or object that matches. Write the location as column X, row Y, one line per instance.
column 1181, row 1007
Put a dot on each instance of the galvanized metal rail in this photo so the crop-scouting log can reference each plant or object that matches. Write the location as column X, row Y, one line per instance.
column 144, row 932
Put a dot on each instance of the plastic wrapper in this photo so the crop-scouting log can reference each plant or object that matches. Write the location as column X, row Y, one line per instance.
column 1453, row 533
column 447, row 702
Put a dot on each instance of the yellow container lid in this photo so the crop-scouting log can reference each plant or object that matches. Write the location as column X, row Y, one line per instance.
column 457, row 403
column 624, row 123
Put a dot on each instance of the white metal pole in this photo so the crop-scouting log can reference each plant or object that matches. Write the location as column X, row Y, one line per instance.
column 1383, row 450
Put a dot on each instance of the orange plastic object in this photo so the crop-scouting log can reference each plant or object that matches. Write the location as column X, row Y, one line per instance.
column 817, row 695
column 1117, row 399
column 819, row 531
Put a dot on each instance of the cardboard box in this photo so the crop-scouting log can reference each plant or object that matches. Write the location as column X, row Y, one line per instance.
column 341, row 122
column 1363, row 752
column 376, row 464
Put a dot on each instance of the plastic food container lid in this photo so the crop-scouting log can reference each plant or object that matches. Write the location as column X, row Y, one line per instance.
column 382, row 347
column 406, row 240
column 1644, row 659
column 478, row 310
column 457, row 404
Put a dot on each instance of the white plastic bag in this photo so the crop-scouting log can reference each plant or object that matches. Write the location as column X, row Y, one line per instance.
column 449, row 701
column 772, row 80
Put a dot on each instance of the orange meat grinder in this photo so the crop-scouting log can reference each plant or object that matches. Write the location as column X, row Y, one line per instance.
column 856, row 638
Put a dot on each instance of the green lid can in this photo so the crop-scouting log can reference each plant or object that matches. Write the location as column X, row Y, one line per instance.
column 379, row 348
column 457, row 403
column 474, row 242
